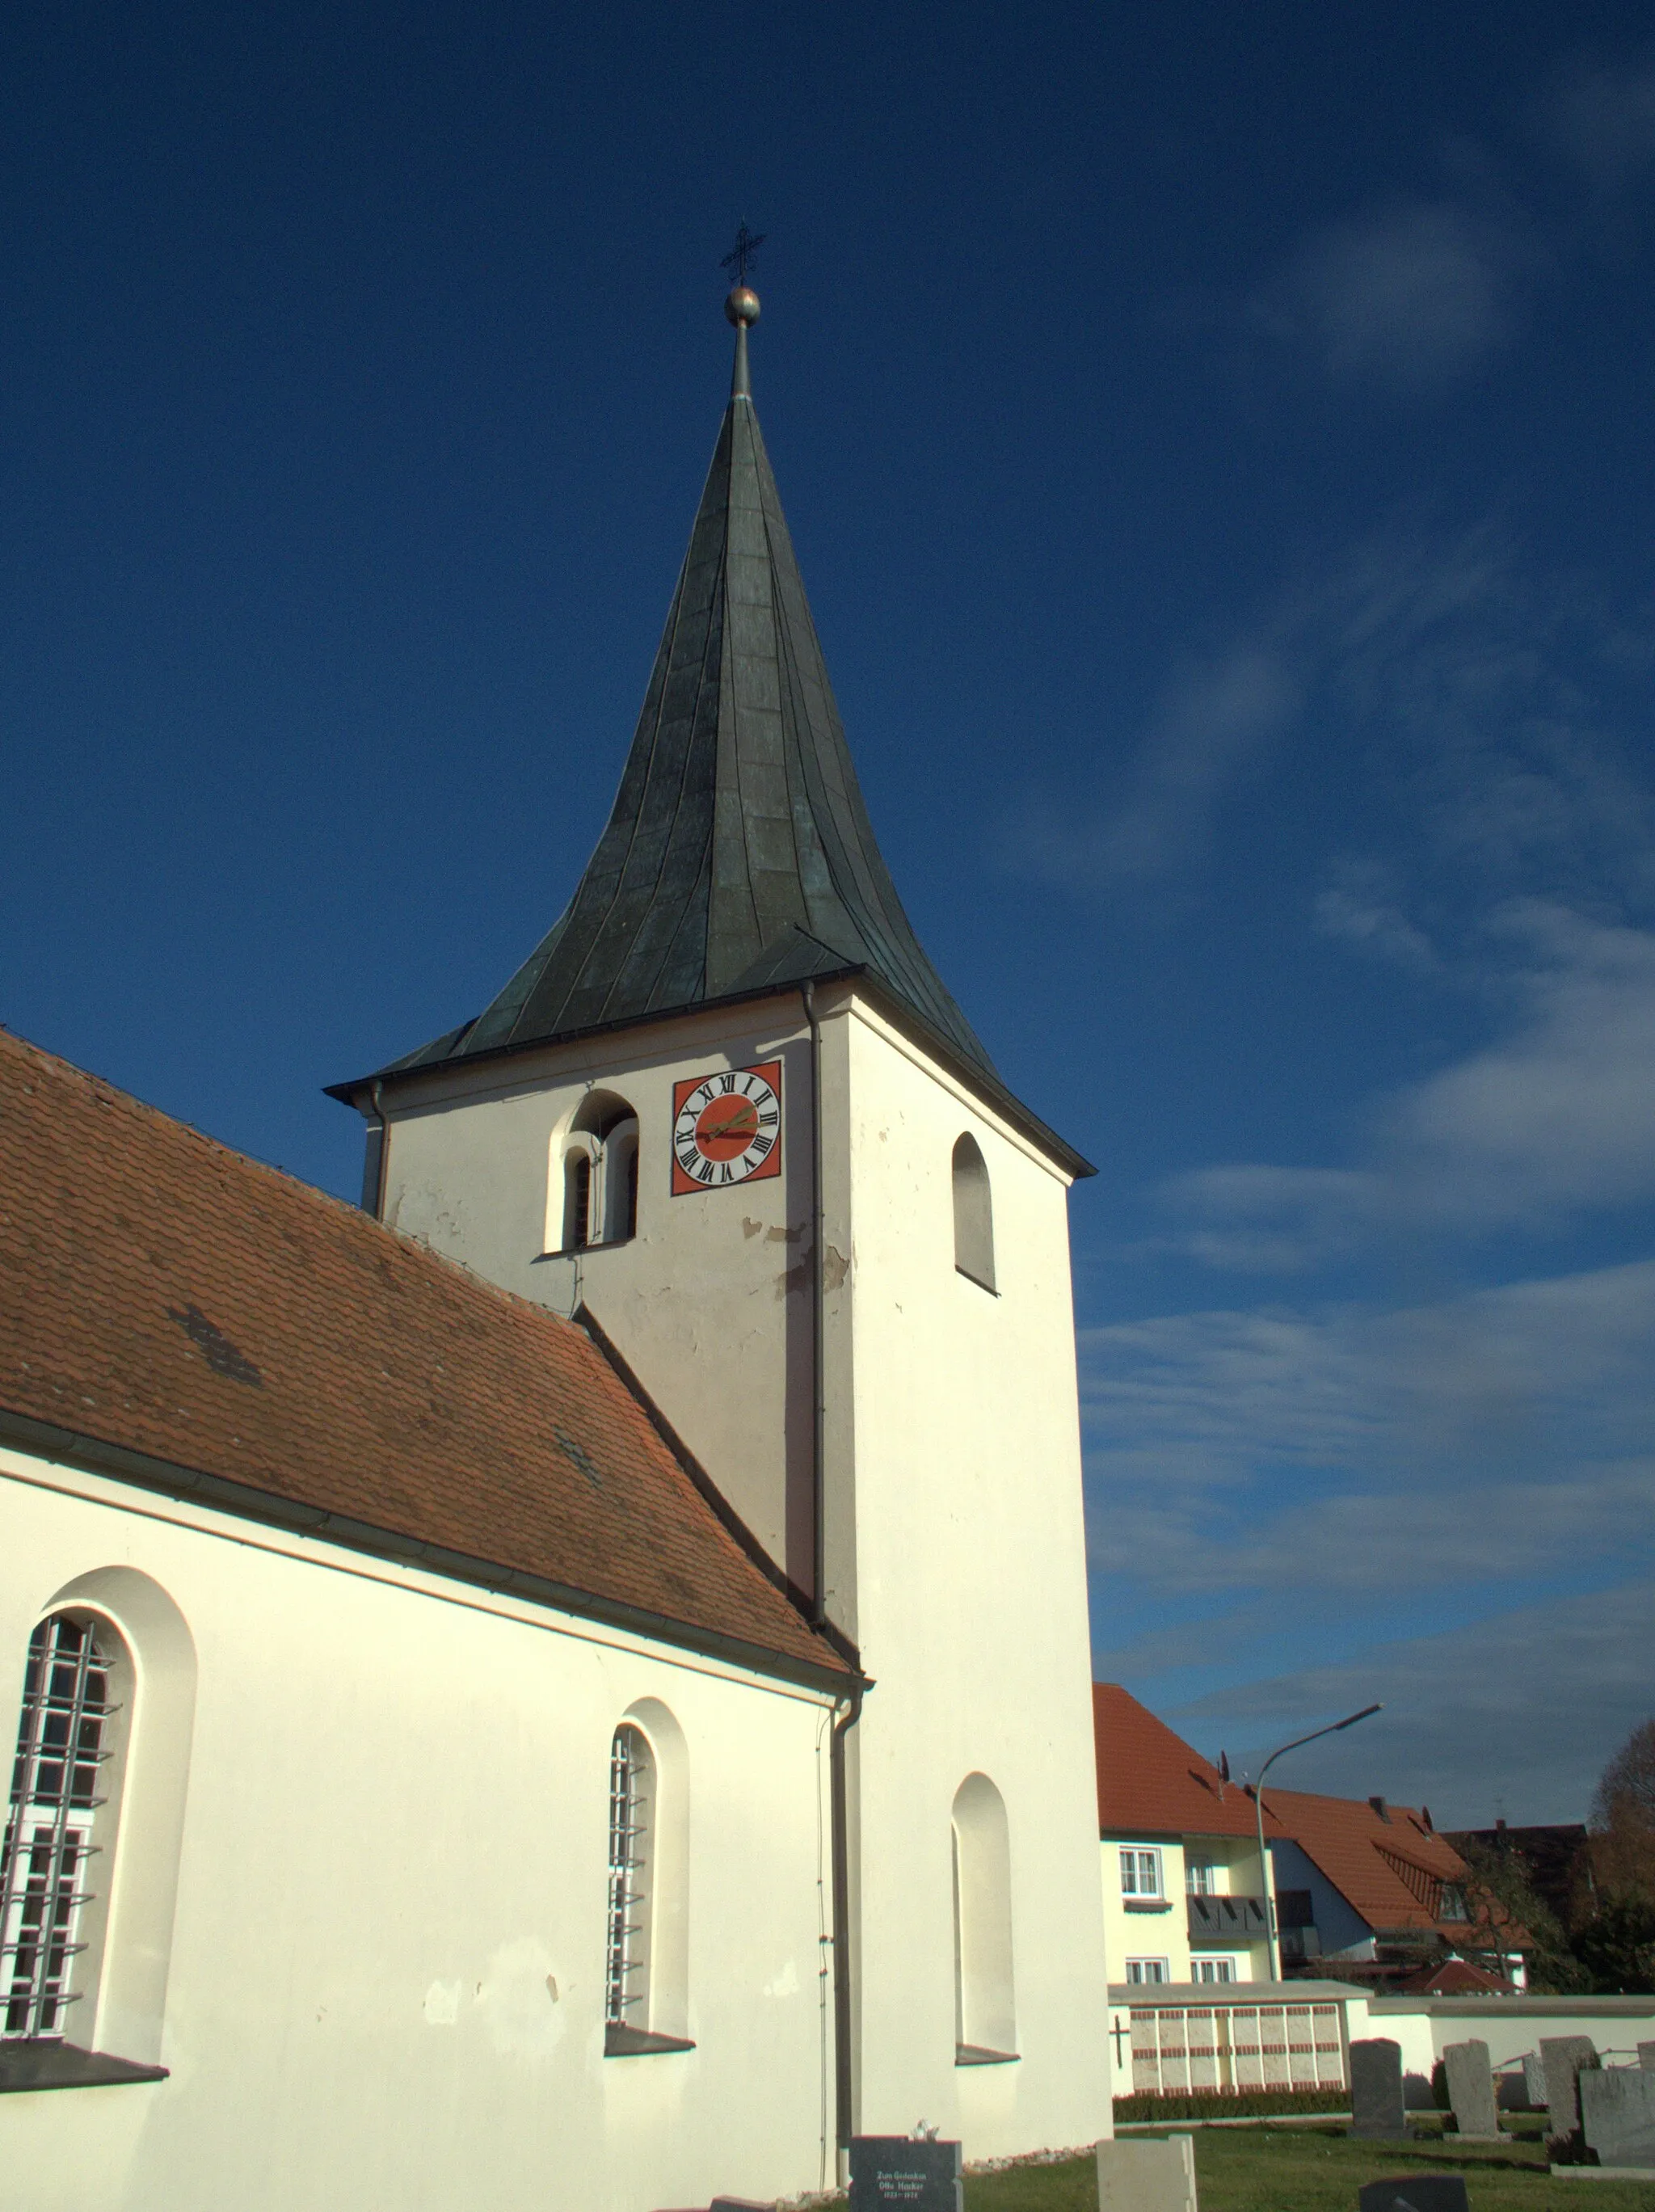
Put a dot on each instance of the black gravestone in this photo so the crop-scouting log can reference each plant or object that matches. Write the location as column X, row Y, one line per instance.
column 1376, row 2108
column 895, row 2173
column 1418, row 2192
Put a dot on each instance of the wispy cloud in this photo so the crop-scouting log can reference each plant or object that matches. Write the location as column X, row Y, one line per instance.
column 1361, row 908
column 1603, row 119
column 1410, row 295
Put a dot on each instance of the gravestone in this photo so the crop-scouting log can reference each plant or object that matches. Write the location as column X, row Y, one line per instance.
column 1617, row 2110
column 1150, row 2174
column 900, row 2173
column 1563, row 2056
column 1376, row 2108
column 1471, row 2090
column 1418, row 2192
column 1534, row 2080
column 1646, row 2056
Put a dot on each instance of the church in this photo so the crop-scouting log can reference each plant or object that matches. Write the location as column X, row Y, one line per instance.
column 568, row 1685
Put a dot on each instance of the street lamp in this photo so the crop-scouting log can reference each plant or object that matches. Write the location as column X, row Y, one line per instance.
column 1350, row 1721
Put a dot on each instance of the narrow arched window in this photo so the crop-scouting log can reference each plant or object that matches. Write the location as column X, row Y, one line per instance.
column 973, row 1214
column 598, row 1203
column 57, row 1858
column 577, row 1200
column 985, row 2005
column 631, row 1802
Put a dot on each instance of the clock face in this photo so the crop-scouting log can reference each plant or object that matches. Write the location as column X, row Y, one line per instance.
column 726, row 1128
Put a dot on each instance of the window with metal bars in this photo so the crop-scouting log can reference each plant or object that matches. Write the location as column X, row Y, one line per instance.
column 631, row 1792
column 60, row 1823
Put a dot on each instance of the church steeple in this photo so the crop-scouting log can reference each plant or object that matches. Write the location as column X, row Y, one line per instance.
column 739, row 856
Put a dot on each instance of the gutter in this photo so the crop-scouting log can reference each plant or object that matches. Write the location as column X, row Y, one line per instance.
column 971, row 1073
column 247, row 1503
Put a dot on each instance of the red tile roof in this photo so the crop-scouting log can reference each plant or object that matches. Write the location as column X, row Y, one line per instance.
column 1454, row 1977
column 167, row 1297
column 1390, row 1866
column 1151, row 1782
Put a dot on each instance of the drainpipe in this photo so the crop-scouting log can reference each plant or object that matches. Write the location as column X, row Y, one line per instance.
column 818, row 1355
column 377, row 1101
column 843, row 2078
column 838, row 1792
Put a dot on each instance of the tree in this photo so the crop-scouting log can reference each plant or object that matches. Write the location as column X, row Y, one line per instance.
column 1616, row 1946
column 1623, row 1819
column 1501, row 1899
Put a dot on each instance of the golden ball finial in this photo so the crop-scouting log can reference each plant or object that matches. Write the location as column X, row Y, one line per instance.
column 742, row 306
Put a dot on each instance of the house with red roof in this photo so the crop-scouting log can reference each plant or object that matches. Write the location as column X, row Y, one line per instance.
column 1184, row 1892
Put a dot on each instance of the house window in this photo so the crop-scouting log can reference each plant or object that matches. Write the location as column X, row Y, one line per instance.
column 1200, row 1877
column 596, row 1202
column 1140, row 1873
column 1212, row 1970
column 631, row 1793
column 1146, row 1969
column 59, row 1850
column 1453, row 1904
column 984, row 2005
column 973, row 1214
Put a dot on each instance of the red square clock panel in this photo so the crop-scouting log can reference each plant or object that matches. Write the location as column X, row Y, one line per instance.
column 726, row 1128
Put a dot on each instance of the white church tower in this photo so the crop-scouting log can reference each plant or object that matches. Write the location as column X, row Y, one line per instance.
column 728, row 1116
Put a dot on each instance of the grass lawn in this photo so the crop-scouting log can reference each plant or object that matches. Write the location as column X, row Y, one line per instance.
column 1318, row 2170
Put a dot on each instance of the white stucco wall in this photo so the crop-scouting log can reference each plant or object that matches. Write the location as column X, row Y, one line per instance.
column 970, row 1592
column 955, row 1551
column 394, row 1830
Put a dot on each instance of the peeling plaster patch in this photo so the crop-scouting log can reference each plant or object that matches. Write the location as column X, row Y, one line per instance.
column 784, row 1236
column 834, row 1269
column 749, row 1227
column 442, row 2004
column 793, row 1278
column 784, row 1985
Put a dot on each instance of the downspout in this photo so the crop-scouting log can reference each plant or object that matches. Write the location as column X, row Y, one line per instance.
column 376, row 1099
column 844, row 2082
column 843, row 2074
column 818, row 1354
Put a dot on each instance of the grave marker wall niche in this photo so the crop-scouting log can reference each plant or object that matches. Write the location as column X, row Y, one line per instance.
column 902, row 2173
column 1376, row 2107
column 1147, row 2174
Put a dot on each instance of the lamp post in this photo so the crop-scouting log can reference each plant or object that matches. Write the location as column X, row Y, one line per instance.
column 1333, row 1727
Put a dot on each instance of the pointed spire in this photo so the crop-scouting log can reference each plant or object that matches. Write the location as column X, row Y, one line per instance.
column 738, row 855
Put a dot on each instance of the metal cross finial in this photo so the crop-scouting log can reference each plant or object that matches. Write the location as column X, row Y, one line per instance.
column 741, row 256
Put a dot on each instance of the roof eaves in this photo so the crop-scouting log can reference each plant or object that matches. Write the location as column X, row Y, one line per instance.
column 356, row 1089
column 99, row 1456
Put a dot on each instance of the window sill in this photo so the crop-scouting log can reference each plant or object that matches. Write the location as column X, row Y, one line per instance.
column 1148, row 1904
column 978, row 1279
column 581, row 1251
column 43, row 2063
column 621, row 2042
column 973, row 2054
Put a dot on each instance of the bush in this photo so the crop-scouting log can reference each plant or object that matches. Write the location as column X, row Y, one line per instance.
column 1236, row 2105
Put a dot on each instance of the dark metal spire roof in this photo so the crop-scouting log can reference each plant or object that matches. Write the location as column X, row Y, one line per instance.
column 739, row 856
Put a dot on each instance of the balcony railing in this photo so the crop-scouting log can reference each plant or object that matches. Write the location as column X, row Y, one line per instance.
column 1227, row 1919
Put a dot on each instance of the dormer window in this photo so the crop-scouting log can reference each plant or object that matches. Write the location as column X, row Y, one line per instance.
column 597, row 1201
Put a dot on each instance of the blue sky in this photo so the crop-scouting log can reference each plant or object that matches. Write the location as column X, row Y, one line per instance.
column 1218, row 444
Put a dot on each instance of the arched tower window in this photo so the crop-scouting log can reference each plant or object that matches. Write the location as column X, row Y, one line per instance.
column 57, row 1861
column 985, row 2004
column 595, row 1201
column 973, row 1214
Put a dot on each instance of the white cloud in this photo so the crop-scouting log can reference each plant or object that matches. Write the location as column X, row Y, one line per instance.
column 1513, row 1717
column 1268, row 1220
column 1557, row 1116
column 1491, row 1435
column 1603, row 120
column 1409, row 296
column 1359, row 909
